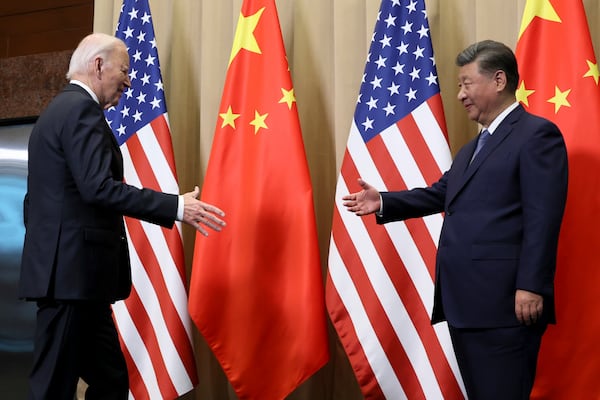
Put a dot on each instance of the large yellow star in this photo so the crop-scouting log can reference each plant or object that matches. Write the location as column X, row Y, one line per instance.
column 288, row 97
column 244, row 34
column 593, row 71
column 537, row 8
column 522, row 94
column 259, row 121
column 229, row 118
column 559, row 99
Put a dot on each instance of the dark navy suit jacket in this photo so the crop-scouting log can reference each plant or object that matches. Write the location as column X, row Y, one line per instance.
column 502, row 219
column 75, row 246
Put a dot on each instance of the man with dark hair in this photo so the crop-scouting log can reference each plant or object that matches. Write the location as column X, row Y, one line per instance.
column 503, row 199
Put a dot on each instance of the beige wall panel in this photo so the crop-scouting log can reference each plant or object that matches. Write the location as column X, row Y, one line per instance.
column 451, row 31
column 592, row 9
column 311, row 59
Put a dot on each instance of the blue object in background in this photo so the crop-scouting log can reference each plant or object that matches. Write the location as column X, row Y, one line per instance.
column 17, row 317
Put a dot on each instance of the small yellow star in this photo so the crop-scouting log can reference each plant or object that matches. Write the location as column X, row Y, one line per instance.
column 259, row 121
column 229, row 118
column 559, row 99
column 244, row 34
column 593, row 71
column 288, row 97
column 523, row 93
column 537, row 8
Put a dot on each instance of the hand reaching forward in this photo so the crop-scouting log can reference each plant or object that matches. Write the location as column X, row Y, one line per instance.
column 367, row 201
column 196, row 212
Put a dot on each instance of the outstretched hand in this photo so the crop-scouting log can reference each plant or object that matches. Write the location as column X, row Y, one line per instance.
column 367, row 201
column 198, row 213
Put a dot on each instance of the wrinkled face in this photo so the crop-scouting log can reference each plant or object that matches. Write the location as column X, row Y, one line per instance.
column 113, row 77
column 479, row 92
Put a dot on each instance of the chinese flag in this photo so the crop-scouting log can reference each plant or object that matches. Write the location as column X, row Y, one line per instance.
column 256, row 290
column 559, row 81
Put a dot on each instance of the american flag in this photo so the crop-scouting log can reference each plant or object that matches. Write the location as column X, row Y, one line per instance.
column 380, row 282
column 153, row 323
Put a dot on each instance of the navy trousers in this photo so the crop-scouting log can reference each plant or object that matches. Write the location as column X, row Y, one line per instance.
column 498, row 363
column 76, row 339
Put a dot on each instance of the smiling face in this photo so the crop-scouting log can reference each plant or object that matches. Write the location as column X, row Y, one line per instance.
column 481, row 93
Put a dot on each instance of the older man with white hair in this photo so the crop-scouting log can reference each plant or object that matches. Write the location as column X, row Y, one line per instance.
column 75, row 259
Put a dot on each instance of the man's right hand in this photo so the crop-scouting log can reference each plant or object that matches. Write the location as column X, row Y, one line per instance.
column 367, row 201
column 198, row 213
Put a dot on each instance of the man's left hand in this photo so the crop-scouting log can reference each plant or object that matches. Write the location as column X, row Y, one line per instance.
column 528, row 306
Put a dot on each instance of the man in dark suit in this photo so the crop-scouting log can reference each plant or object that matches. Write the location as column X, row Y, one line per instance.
column 75, row 259
column 497, row 250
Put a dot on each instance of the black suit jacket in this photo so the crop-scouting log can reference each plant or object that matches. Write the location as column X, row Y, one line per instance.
column 502, row 220
column 75, row 245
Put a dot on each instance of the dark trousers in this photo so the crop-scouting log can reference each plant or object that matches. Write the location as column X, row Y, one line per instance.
column 498, row 363
column 77, row 339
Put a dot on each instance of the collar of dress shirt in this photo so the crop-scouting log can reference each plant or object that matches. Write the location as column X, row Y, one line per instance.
column 87, row 89
column 501, row 117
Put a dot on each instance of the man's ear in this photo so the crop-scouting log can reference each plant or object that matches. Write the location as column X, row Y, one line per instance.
column 98, row 64
column 500, row 79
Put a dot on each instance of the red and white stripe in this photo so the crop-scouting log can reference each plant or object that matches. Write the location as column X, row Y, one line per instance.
column 153, row 323
column 380, row 284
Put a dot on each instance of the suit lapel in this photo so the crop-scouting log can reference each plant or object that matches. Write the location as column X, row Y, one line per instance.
column 462, row 164
column 117, row 155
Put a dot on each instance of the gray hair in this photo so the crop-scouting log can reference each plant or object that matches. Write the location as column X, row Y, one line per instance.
column 492, row 56
column 92, row 46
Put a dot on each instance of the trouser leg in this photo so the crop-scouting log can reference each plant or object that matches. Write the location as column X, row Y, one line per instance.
column 498, row 363
column 54, row 371
column 72, row 340
column 105, row 370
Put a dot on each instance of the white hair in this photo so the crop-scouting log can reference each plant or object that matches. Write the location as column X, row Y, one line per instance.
column 92, row 46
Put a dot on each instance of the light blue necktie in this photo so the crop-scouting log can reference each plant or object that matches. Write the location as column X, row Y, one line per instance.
column 483, row 137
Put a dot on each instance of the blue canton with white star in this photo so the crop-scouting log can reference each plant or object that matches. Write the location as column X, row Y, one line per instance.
column 400, row 73
column 144, row 100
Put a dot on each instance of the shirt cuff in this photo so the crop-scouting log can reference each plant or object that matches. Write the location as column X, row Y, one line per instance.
column 380, row 212
column 180, row 204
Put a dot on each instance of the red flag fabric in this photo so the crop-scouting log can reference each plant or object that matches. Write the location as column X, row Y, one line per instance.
column 381, row 278
column 153, row 323
column 559, row 80
column 256, row 290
